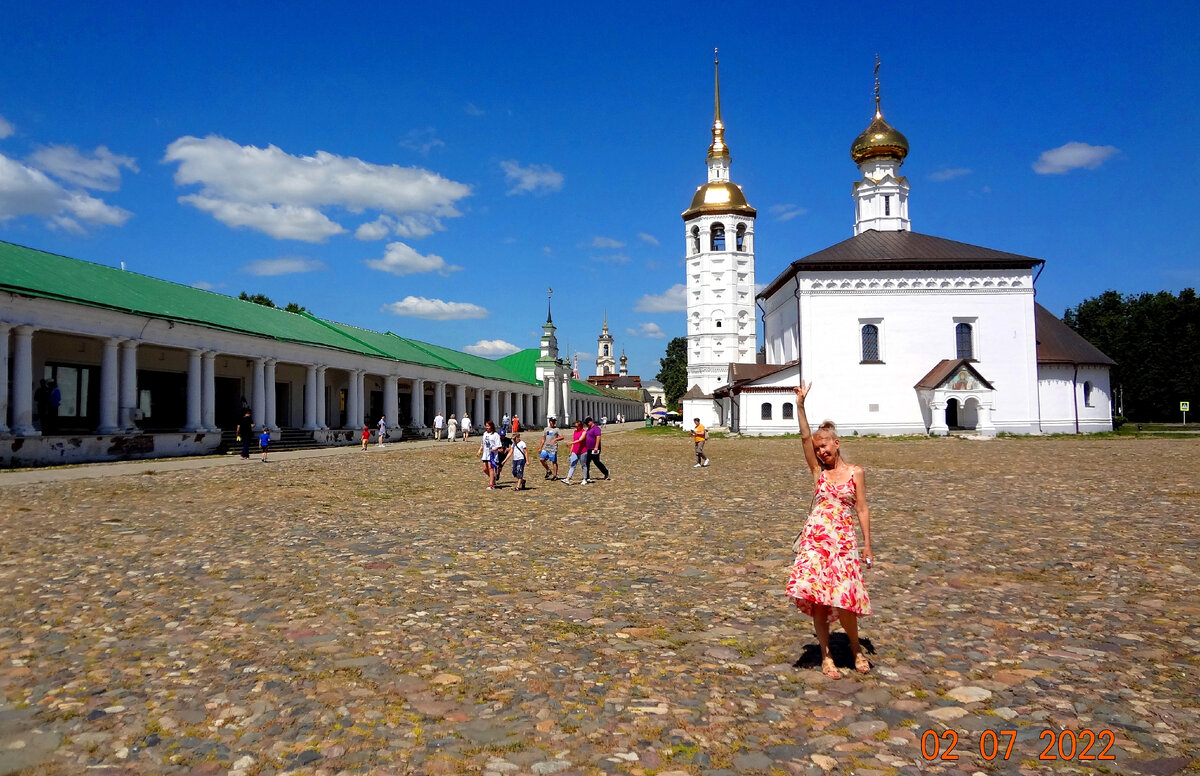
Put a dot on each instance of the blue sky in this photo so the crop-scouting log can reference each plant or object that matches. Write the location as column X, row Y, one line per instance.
column 431, row 169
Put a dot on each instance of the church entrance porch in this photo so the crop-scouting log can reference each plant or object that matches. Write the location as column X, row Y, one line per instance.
column 955, row 397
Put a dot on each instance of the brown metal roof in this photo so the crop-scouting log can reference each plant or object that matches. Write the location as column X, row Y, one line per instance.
column 1058, row 343
column 901, row 250
column 944, row 369
column 741, row 375
column 695, row 393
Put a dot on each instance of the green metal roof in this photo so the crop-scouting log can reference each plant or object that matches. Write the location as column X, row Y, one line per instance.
column 523, row 362
column 45, row 275
column 476, row 365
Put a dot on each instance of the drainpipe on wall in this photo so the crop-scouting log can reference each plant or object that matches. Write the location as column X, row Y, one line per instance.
column 796, row 293
column 1075, row 396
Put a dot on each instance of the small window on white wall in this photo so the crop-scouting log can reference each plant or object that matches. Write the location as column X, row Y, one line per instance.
column 964, row 341
column 787, row 413
column 766, row 410
column 870, row 343
column 1087, row 393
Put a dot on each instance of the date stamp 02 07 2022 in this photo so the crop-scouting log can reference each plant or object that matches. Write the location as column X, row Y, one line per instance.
column 998, row 744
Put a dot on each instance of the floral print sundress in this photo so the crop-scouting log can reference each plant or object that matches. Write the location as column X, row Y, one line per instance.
column 826, row 570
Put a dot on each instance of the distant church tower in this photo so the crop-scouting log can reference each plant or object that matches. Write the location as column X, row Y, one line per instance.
column 719, row 234
column 881, row 197
column 606, row 362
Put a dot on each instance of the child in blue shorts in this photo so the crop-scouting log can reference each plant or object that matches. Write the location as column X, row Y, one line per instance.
column 264, row 440
column 516, row 453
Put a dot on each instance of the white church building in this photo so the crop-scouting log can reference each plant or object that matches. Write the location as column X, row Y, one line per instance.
column 900, row 332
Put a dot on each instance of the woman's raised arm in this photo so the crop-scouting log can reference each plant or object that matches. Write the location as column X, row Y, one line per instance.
column 810, row 455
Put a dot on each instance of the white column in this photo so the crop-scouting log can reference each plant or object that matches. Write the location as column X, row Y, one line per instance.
column 322, row 420
column 360, row 379
column 568, row 416
column 109, row 396
column 310, row 398
column 477, row 416
column 128, row 384
column 22, row 399
column 527, row 409
column 208, row 390
column 391, row 400
column 269, row 394
column 417, row 403
column 508, row 403
column 4, row 329
column 460, row 401
column 194, row 389
column 257, row 392
column 439, row 398
column 353, row 410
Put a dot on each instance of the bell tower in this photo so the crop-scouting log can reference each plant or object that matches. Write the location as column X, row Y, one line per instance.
column 606, row 362
column 719, row 251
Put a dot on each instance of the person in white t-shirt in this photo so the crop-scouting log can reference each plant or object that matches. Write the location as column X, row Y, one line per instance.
column 466, row 426
column 516, row 453
column 438, row 422
column 489, row 453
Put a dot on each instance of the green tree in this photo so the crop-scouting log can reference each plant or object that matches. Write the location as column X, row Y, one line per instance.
column 262, row 299
column 293, row 307
column 1155, row 340
column 673, row 374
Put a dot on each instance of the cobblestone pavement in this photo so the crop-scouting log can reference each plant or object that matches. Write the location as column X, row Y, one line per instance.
column 384, row 613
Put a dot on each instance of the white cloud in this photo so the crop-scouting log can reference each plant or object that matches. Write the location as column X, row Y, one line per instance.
column 471, row 109
column 491, row 348
column 25, row 191
column 606, row 242
column 289, row 265
column 673, row 300
column 786, row 212
column 648, row 238
column 101, row 169
column 401, row 259
column 413, row 225
column 612, row 258
column 204, row 285
column 285, row 196
column 534, row 178
column 6, row 129
column 949, row 174
column 283, row 222
column 436, row 309
column 422, row 140
column 1072, row 156
column 647, row 330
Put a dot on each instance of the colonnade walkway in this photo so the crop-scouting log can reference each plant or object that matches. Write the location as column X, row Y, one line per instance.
column 158, row 465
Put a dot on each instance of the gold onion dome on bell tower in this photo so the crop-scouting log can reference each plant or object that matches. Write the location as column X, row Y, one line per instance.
column 718, row 196
column 879, row 139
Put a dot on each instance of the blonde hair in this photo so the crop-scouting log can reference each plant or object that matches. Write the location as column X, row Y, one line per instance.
column 828, row 427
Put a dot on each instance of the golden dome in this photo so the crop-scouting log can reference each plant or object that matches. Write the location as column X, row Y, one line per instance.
column 880, row 139
column 719, row 197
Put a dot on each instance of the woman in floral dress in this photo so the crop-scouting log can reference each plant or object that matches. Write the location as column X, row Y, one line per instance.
column 826, row 580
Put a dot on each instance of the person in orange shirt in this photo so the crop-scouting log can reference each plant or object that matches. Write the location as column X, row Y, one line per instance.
column 699, row 435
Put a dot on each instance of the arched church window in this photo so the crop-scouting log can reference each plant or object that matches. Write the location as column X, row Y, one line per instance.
column 695, row 239
column 741, row 237
column 606, row 350
column 787, row 411
column 766, row 410
column 718, row 237
column 718, row 324
column 887, row 204
column 870, row 342
column 1087, row 393
column 962, row 340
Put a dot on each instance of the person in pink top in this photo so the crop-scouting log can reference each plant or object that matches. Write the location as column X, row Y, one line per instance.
column 577, row 453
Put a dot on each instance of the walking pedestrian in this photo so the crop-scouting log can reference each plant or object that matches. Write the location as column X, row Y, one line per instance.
column 382, row 429
column 264, row 441
column 489, row 453
column 516, row 424
column 366, row 435
column 826, row 580
column 548, row 449
column 593, row 450
column 700, row 436
column 452, row 429
column 466, row 426
column 438, row 423
column 577, row 453
column 245, row 430
column 517, row 454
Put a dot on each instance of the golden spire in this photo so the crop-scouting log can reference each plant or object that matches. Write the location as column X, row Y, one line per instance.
column 879, row 139
column 718, row 149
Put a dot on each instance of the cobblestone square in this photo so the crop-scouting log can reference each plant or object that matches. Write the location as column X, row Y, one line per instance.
column 382, row 612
